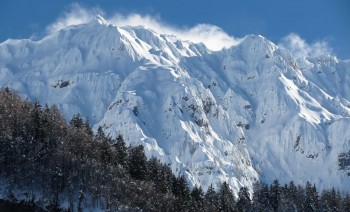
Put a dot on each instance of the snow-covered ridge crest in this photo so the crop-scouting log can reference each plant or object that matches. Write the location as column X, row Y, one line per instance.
column 245, row 113
column 101, row 20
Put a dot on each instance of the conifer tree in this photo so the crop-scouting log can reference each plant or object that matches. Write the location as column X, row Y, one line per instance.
column 274, row 195
column 293, row 196
column 182, row 194
column 88, row 128
column 100, row 135
column 77, row 121
column 311, row 201
column 121, row 151
column 105, row 152
column 244, row 202
column 226, row 198
column 346, row 203
column 330, row 200
column 197, row 197
column 158, row 174
column 36, row 123
column 211, row 199
column 165, row 177
column 261, row 197
column 137, row 163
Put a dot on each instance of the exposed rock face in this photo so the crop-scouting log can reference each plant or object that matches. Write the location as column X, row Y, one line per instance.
column 344, row 162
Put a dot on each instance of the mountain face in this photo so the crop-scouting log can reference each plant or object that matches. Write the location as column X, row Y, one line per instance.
column 250, row 112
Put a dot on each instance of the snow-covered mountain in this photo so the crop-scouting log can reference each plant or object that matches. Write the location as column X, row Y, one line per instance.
column 246, row 113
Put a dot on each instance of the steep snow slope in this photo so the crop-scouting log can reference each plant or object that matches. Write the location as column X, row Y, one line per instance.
column 240, row 114
column 80, row 68
column 291, row 112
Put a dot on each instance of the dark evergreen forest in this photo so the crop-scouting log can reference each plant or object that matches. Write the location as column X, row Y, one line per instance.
column 57, row 165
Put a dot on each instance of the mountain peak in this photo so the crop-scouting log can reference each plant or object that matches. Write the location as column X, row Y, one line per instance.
column 258, row 43
column 100, row 20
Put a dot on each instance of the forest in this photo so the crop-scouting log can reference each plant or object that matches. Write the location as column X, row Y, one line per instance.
column 50, row 164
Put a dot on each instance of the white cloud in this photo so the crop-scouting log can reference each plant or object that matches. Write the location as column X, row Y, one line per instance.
column 212, row 36
column 299, row 48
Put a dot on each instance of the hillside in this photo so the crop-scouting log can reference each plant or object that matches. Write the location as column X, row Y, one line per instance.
column 250, row 112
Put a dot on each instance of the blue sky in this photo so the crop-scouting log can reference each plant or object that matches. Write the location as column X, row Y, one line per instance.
column 313, row 23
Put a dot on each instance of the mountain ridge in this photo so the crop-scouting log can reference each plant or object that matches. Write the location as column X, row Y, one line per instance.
column 214, row 116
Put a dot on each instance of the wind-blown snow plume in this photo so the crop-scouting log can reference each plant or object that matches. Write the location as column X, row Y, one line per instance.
column 212, row 36
column 300, row 48
column 76, row 15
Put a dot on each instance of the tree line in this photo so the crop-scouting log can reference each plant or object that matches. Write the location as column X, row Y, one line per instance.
column 64, row 166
